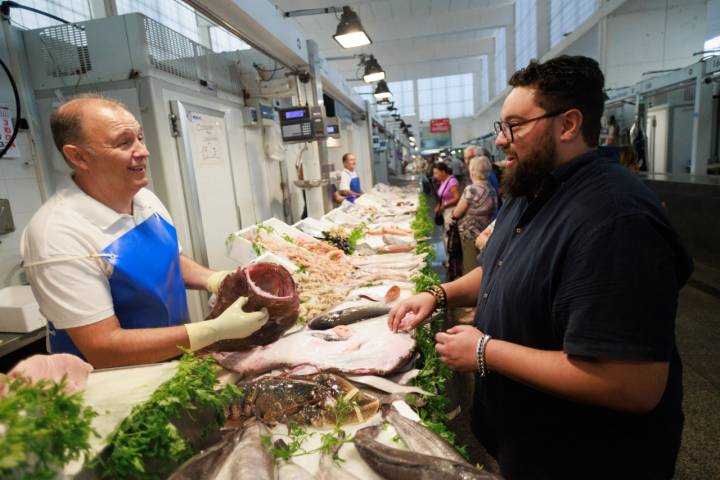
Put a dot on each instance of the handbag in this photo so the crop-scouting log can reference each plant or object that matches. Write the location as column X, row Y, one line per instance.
column 439, row 219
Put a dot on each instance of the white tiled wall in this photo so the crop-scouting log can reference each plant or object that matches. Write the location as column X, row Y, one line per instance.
column 19, row 185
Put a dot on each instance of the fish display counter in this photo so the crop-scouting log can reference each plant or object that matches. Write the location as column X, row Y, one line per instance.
column 323, row 390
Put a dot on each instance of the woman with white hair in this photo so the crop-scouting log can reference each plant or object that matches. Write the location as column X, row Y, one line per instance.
column 475, row 210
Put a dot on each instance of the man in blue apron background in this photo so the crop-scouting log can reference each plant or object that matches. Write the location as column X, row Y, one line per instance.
column 349, row 180
column 102, row 254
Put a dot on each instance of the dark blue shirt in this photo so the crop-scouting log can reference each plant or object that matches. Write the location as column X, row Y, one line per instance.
column 589, row 266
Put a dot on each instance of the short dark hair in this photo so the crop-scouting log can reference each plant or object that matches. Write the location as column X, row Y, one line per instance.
column 567, row 82
column 443, row 167
column 66, row 119
column 346, row 156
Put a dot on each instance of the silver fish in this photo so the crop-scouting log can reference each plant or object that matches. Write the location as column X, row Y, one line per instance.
column 238, row 455
column 347, row 316
column 396, row 464
column 330, row 470
column 421, row 439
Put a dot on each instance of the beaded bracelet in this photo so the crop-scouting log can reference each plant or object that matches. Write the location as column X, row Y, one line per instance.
column 440, row 296
column 481, row 365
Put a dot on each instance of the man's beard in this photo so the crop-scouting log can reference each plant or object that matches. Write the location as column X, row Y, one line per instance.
column 528, row 174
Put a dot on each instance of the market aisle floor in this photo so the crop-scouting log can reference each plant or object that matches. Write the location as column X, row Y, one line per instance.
column 698, row 338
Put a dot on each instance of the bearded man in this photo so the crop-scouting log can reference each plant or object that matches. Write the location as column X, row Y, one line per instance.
column 578, row 374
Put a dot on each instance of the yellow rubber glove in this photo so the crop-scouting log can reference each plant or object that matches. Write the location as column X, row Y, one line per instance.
column 214, row 281
column 233, row 323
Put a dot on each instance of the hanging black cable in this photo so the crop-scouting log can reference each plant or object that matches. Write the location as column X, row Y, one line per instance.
column 16, row 126
column 7, row 5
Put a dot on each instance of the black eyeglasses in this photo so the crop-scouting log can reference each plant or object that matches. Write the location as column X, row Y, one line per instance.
column 507, row 128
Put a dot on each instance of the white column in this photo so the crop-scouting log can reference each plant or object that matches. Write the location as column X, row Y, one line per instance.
column 543, row 27
column 702, row 120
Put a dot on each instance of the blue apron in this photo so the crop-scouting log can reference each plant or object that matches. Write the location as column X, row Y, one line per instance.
column 355, row 187
column 146, row 283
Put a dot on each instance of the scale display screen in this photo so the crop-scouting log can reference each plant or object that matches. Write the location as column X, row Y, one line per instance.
column 295, row 124
column 291, row 114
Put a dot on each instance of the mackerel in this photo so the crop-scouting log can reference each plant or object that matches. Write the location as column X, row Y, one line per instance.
column 347, row 316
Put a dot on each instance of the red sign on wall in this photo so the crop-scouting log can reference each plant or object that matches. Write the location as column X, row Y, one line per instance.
column 439, row 125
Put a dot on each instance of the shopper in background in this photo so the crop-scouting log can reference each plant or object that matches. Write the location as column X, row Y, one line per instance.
column 475, row 151
column 459, row 170
column 578, row 373
column 475, row 210
column 629, row 158
column 349, row 181
column 448, row 194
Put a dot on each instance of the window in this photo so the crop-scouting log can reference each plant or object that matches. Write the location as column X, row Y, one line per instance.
column 366, row 91
column 404, row 96
column 567, row 15
column 525, row 32
column 500, row 61
column 173, row 14
column 441, row 97
column 712, row 44
column 70, row 10
column 224, row 41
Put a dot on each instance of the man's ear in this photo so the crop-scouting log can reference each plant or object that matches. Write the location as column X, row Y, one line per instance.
column 571, row 125
column 75, row 156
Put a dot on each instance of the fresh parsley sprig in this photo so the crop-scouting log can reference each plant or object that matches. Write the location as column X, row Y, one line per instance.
column 42, row 428
column 148, row 433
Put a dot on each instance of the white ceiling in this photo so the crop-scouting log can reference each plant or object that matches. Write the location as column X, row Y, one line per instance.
column 411, row 38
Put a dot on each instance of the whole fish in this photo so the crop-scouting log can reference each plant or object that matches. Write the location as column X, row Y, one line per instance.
column 365, row 348
column 292, row 471
column 421, row 439
column 238, row 455
column 330, row 470
column 347, row 316
column 396, row 464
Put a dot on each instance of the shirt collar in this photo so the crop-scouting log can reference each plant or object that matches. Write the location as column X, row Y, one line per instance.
column 96, row 212
column 567, row 169
column 349, row 172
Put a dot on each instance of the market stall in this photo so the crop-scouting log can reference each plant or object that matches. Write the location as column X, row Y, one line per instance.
column 323, row 390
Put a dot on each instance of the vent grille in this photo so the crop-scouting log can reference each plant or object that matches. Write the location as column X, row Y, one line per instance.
column 170, row 51
column 65, row 51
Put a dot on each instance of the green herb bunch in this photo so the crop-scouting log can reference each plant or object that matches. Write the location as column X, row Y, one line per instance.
column 148, row 434
column 433, row 373
column 42, row 428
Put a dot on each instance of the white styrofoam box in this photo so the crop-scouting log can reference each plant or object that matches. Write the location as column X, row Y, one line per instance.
column 270, row 257
column 283, row 228
column 339, row 217
column 19, row 312
column 313, row 226
column 240, row 249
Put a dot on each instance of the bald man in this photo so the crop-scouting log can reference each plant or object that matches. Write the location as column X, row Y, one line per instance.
column 102, row 253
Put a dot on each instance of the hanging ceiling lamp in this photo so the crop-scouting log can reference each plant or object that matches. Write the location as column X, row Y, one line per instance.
column 373, row 71
column 382, row 91
column 350, row 32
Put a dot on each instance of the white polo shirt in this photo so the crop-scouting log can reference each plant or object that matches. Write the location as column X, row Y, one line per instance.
column 346, row 177
column 75, row 227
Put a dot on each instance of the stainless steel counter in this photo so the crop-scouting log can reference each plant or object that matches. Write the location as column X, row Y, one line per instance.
column 9, row 342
